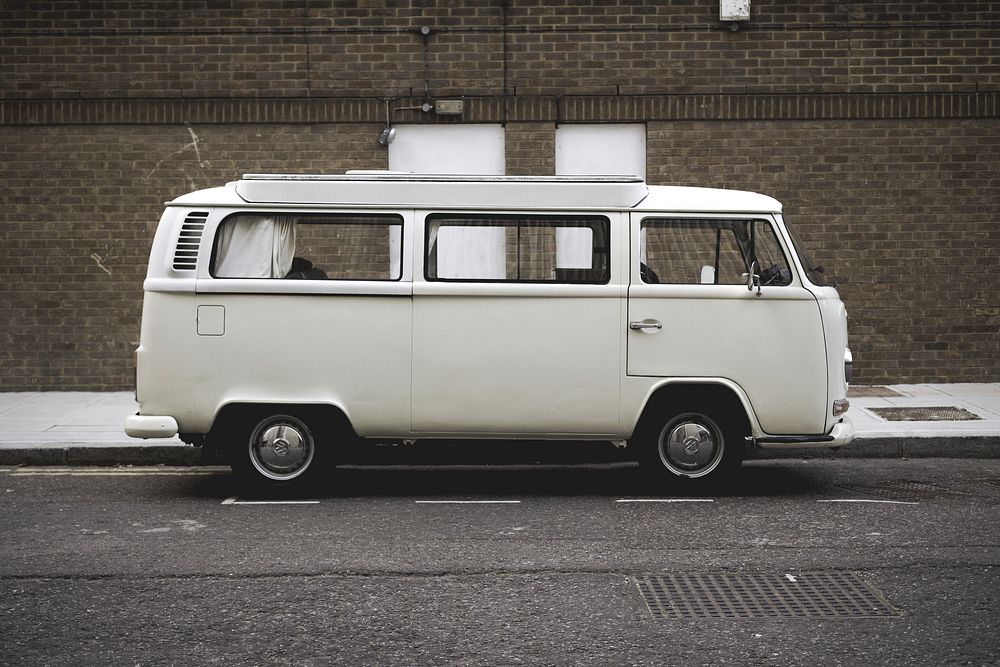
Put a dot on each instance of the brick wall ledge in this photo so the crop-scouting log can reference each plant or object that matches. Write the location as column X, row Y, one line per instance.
column 499, row 109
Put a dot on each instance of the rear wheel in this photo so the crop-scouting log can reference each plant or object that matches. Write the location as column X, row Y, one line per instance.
column 274, row 451
column 690, row 448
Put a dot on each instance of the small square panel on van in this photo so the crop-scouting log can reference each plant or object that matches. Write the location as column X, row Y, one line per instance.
column 211, row 320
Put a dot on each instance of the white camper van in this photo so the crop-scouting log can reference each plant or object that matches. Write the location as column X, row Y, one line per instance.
column 287, row 317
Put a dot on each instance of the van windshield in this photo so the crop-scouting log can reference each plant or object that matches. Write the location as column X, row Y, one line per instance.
column 814, row 272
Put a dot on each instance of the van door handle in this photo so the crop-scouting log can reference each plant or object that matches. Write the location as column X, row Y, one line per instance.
column 644, row 325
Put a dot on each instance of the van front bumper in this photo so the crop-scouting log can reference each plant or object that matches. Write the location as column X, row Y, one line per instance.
column 841, row 435
column 147, row 426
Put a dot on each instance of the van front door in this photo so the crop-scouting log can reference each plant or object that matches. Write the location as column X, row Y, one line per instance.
column 516, row 326
column 691, row 315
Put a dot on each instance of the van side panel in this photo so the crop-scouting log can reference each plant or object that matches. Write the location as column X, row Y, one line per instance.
column 163, row 358
column 518, row 360
column 772, row 348
column 344, row 350
column 835, row 325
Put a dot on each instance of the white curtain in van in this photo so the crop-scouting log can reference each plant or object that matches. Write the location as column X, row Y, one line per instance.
column 254, row 246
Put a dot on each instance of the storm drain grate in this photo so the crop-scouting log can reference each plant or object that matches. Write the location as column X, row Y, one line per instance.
column 817, row 595
column 928, row 414
column 906, row 490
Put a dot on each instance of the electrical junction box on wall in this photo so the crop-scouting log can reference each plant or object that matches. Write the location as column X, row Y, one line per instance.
column 449, row 107
column 734, row 10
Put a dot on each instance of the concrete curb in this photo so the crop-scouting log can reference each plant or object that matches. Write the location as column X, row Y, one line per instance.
column 84, row 455
column 987, row 447
column 957, row 447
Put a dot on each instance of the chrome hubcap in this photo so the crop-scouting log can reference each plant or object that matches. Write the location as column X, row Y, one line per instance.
column 690, row 448
column 281, row 448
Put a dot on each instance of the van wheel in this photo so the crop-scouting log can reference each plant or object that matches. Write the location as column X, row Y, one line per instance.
column 690, row 449
column 274, row 452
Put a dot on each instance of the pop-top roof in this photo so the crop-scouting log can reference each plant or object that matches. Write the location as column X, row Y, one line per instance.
column 438, row 190
column 382, row 189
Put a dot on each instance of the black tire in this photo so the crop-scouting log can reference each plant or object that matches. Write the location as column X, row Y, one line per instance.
column 274, row 451
column 690, row 448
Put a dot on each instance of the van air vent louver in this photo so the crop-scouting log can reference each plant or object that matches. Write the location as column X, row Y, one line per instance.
column 189, row 241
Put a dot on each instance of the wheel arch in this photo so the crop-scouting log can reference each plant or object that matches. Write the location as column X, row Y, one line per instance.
column 232, row 413
column 697, row 391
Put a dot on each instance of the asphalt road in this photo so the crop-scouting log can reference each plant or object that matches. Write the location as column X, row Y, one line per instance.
column 485, row 566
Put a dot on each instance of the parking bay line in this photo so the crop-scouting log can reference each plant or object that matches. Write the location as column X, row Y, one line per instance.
column 868, row 501
column 236, row 501
column 665, row 500
column 467, row 502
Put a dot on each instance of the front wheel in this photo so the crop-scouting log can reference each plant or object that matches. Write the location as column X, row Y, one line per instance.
column 690, row 448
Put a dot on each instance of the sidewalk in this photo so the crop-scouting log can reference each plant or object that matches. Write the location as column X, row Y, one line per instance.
column 85, row 428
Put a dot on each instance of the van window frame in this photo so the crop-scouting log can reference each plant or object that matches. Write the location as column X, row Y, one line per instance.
column 742, row 247
column 485, row 218
column 398, row 217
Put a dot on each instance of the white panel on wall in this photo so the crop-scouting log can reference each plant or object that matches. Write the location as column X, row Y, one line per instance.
column 472, row 252
column 448, row 149
column 734, row 10
column 596, row 150
column 574, row 248
column 601, row 149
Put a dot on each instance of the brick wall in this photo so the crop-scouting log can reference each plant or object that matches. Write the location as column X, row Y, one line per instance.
column 80, row 205
column 277, row 49
column 903, row 215
column 875, row 122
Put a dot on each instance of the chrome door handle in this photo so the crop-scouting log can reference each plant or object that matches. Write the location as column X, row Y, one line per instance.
column 645, row 324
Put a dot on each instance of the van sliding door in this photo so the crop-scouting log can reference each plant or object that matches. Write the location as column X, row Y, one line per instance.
column 516, row 326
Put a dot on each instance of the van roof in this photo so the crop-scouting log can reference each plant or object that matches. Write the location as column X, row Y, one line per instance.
column 393, row 189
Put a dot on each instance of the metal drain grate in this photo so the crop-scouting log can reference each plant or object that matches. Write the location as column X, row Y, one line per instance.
column 906, row 490
column 817, row 595
column 928, row 414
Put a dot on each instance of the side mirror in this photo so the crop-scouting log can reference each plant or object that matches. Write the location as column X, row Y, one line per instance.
column 753, row 278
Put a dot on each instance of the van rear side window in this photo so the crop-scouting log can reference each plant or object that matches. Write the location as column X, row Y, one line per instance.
column 528, row 249
column 309, row 247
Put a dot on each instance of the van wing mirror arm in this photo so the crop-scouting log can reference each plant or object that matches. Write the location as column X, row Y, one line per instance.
column 753, row 278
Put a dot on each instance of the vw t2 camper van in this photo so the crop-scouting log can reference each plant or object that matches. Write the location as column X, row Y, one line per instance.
column 287, row 317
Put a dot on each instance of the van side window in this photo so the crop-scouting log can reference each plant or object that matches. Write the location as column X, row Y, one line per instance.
column 309, row 247
column 529, row 249
column 710, row 252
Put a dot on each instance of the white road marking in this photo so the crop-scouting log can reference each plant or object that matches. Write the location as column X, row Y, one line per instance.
column 236, row 501
column 467, row 502
column 665, row 500
column 864, row 500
